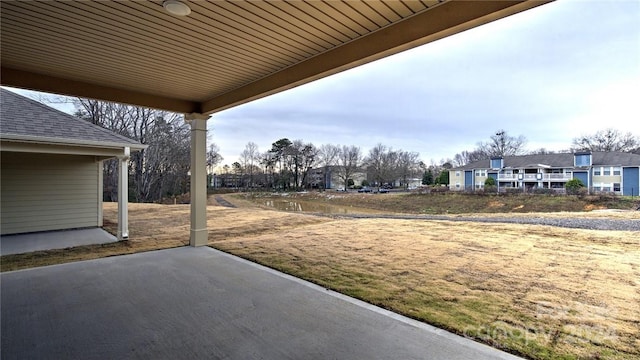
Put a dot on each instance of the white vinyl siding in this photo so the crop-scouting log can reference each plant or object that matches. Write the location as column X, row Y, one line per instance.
column 48, row 192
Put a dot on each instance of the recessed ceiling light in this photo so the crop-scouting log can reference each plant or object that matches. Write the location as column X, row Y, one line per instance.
column 176, row 7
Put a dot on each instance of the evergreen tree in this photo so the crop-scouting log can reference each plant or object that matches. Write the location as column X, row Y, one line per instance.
column 427, row 177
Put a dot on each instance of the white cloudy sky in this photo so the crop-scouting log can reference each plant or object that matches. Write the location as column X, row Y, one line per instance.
column 551, row 74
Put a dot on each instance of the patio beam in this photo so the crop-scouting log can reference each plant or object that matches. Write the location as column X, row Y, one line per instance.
column 68, row 87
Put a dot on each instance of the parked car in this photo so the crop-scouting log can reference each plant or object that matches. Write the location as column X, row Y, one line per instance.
column 365, row 189
column 383, row 190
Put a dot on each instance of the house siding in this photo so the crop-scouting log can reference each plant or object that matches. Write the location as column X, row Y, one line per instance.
column 582, row 176
column 43, row 192
column 468, row 180
column 456, row 180
column 631, row 181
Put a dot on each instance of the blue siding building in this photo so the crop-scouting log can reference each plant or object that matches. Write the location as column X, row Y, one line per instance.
column 613, row 172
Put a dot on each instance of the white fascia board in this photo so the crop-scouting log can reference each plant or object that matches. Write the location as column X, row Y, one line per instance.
column 73, row 142
column 66, row 149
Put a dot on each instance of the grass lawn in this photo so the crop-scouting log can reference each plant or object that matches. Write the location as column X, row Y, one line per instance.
column 537, row 291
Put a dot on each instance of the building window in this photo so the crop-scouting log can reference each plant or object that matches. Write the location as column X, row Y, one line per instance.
column 616, row 187
column 457, row 173
column 607, row 171
column 597, row 171
column 582, row 159
column 597, row 187
column 496, row 163
column 616, row 171
column 606, row 187
column 457, row 185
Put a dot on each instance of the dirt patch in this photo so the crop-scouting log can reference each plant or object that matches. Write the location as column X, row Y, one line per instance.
column 591, row 207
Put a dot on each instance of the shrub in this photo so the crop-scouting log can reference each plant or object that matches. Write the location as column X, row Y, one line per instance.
column 439, row 189
column 582, row 192
column 490, row 182
column 490, row 189
column 574, row 187
column 543, row 191
column 513, row 191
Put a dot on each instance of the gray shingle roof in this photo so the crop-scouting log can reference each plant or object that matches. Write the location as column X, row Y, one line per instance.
column 563, row 160
column 24, row 117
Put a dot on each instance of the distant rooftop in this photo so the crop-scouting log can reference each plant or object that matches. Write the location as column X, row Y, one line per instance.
column 563, row 160
column 25, row 119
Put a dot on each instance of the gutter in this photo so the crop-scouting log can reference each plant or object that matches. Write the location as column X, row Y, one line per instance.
column 134, row 146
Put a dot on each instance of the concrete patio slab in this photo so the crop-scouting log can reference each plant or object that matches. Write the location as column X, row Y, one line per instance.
column 49, row 240
column 199, row 303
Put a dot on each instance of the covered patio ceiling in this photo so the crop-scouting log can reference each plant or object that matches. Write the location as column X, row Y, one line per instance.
column 224, row 53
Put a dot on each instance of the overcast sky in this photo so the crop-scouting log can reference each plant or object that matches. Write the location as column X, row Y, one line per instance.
column 551, row 74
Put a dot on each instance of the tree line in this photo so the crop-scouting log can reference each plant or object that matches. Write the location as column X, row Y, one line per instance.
column 162, row 169
column 289, row 165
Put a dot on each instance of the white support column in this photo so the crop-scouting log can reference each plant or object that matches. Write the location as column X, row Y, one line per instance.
column 123, row 195
column 100, row 191
column 199, row 235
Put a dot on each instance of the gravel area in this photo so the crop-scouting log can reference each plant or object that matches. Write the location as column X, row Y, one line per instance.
column 575, row 223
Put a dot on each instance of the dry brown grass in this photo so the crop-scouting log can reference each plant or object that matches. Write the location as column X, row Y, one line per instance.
column 154, row 227
column 539, row 291
column 458, row 203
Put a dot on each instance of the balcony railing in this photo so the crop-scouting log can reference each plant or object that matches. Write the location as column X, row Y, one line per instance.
column 535, row 177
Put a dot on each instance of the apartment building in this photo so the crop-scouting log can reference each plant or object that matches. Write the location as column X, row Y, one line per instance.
column 614, row 172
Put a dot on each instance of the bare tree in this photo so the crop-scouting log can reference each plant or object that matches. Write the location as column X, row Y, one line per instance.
column 281, row 155
column 408, row 165
column 213, row 157
column 268, row 162
column 53, row 99
column 349, row 161
column 501, row 144
column 607, row 140
column 386, row 165
column 159, row 170
column 465, row 157
column 248, row 159
column 304, row 156
column 327, row 156
column 544, row 151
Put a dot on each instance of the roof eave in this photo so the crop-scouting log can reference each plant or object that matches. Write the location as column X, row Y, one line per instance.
column 70, row 142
